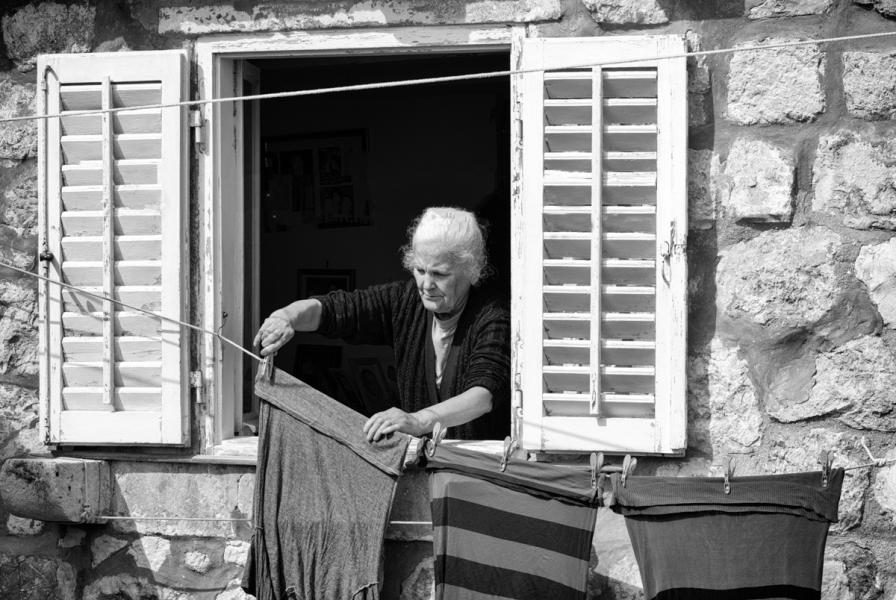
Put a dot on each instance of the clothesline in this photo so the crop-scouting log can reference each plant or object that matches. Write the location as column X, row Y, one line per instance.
column 876, row 461
column 454, row 78
column 98, row 296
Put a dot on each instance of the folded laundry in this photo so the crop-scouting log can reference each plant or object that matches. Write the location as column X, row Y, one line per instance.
column 524, row 533
column 763, row 538
column 322, row 497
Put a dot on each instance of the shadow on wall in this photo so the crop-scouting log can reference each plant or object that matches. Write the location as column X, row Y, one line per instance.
column 150, row 559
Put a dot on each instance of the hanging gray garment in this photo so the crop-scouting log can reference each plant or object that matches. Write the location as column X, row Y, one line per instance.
column 322, row 497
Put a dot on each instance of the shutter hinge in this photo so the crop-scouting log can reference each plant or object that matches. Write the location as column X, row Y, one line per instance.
column 197, row 124
column 196, row 379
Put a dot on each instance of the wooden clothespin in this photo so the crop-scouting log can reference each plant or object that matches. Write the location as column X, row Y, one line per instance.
column 268, row 367
column 729, row 473
column 597, row 463
column 438, row 434
column 509, row 447
column 827, row 461
column 628, row 466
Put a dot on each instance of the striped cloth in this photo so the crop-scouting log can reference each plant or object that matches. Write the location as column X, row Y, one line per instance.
column 524, row 534
column 765, row 538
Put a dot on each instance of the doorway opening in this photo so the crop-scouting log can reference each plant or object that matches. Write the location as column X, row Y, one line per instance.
column 340, row 177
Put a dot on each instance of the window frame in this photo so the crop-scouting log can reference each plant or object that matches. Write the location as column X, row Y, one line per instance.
column 215, row 56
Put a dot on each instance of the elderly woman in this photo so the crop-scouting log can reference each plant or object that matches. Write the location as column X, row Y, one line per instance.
column 450, row 337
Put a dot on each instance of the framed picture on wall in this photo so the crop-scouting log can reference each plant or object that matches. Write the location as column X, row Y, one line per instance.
column 316, row 282
column 327, row 172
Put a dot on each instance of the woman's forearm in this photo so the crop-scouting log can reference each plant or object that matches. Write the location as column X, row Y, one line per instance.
column 457, row 410
column 302, row 315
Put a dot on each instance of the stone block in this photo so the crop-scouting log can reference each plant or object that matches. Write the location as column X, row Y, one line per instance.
column 18, row 139
column 779, row 279
column 234, row 591
column 18, row 331
column 885, row 486
column 18, row 421
column 47, row 28
column 103, row 547
column 18, row 207
column 627, row 12
column 765, row 9
column 795, row 449
column 869, row 84
column 853, row 381
column 834, row 583
column 150, row 552
column 131, row 587
column 779, row 86
column 178, row 490
column 19, row 526
column 616, row 574
column 884, row 7
column 24, row 577
column 699, row 80
column 236, row 552
column 723, row 409
column 73, row 538
column 876, row 268
column 854, row 179
column 312, row 14
column 197, row 561
column 703, row 169
column 420, row 584
column 759, row 181
column 69, row 490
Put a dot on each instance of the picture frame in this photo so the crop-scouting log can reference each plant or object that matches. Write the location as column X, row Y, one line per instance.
column 326, row 178
column 316, row 282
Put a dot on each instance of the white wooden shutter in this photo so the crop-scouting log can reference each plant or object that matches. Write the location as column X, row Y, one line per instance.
column 116, row 197
column 601, row 321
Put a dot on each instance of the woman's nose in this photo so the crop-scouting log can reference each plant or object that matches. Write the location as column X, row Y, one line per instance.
column 428, row 281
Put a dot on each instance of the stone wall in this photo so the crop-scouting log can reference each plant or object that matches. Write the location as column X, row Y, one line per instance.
column 792, row 260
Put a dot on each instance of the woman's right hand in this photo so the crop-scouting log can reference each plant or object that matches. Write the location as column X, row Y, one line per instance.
column 273, row 333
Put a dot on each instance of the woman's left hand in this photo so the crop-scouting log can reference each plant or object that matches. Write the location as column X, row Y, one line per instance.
column 392, row 420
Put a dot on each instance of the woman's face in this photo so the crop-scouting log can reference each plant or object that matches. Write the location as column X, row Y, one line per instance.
column 442, row 285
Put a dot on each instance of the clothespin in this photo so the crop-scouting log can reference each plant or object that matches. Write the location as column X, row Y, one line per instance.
column 827, row 461
column 729, row 473
column 597, row 463
column 628, row 466
column 268, row 367
column 438, row 434
column 509, row 446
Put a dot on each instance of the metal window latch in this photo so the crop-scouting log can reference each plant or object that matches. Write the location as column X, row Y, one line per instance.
column 196, row 379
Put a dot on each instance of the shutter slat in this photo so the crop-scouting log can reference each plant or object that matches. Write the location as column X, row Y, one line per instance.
column 147, row 297
column 88, row 96
column 126, row 272
column 127, row 222
column 127, row 172
column 127, row 247
column 126, row 323
column 135, row 121
column 127, row 349
column 137, row 374
column 134, row 399
column 87, row 197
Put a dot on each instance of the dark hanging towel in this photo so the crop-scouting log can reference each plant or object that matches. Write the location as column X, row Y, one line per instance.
column 765, row 539
column 322, row 497
column 523, row 534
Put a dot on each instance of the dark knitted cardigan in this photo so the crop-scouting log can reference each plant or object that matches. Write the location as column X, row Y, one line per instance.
column 393, row 314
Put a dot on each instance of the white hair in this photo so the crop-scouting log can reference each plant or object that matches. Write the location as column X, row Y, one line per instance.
column 452, row 232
